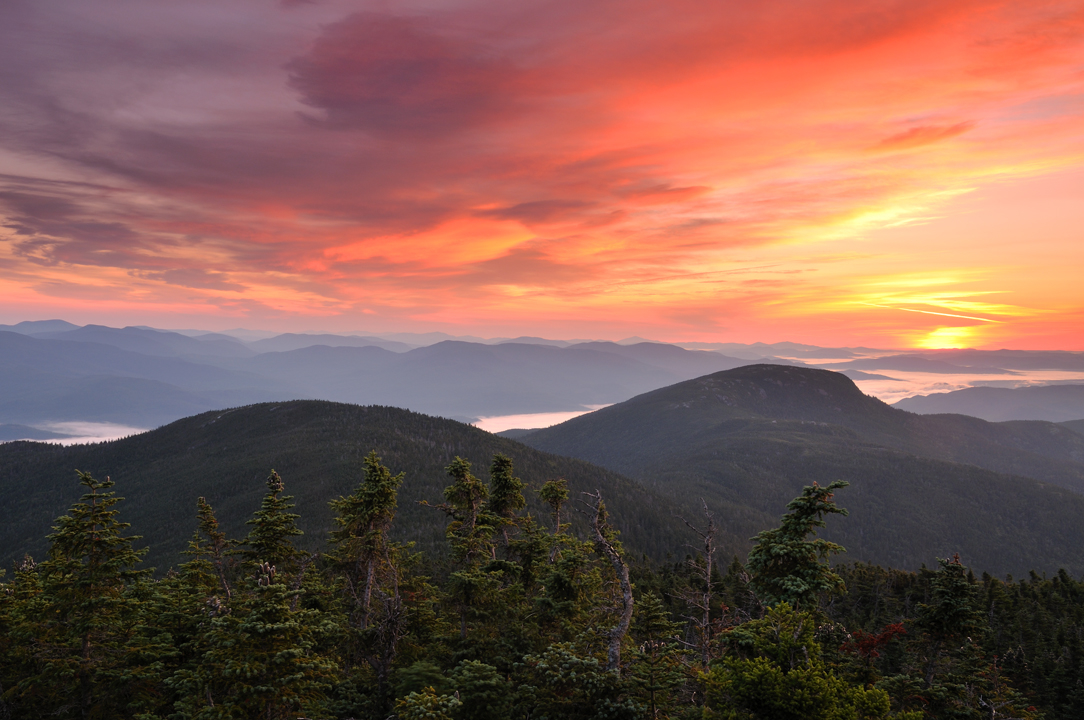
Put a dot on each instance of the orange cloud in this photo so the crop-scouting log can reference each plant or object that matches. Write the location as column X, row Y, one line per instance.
column 922, row 135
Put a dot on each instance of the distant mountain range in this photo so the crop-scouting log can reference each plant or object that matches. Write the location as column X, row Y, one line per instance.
column 1057, row 403
column 1006, row 496
column 146, row 377
column 54, row 371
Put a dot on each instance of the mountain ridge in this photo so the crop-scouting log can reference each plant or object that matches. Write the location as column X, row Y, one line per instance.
column 911, row 502
column 318, row 448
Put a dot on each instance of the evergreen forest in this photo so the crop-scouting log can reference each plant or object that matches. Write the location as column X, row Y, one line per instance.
column 524, row 615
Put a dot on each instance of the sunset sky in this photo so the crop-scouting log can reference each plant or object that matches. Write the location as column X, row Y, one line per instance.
column 888, row 174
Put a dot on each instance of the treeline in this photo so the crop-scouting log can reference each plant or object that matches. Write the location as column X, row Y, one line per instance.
column 522, row 619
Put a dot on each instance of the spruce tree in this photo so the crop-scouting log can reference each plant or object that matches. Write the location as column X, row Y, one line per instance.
column 214, row 548
column 367, row 564
column 470, row 534
column 505, row 495
column 273, row 526
column 788, row 567
column 85, row 616
column 262, row 659
column 656, row 668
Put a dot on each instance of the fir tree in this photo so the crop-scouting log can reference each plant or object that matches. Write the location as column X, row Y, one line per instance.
column 367, row 563
column 216, row 547
column 86, row 617
column 360, row 540
column 656, row 668
column 788, row 567
column 555, row 494
column 262, row 659
column 505, row 495
column 483, row 692
column 273, row 526
column 465, row 501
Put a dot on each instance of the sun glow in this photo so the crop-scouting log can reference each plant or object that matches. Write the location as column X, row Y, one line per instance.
column 944, row 338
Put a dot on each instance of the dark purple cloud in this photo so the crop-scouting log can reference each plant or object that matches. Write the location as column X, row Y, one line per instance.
column 401, row 77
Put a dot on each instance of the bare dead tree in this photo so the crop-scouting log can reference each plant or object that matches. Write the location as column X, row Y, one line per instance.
column 604, row 545
column 700, row 599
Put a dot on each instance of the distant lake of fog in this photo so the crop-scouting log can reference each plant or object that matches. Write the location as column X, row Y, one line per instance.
column 81, row 432
column 530, row 421
column 905, row 384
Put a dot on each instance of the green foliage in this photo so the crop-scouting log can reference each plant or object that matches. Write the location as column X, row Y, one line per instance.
column 370, row 629
column 657, row 667
column 427, row 705
column 561, row 683
column 484, row 693
column 84, row 615
column 776, row 672
column 505, row 494
column 789, row 567
column 469, row 532
column 261, row 659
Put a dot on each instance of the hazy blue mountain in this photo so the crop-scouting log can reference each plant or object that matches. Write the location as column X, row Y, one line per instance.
column 529, row 340
column 468, row 380
column 32, row 327
column 296, row 341
column 103, row 398
column 862, row 375
column 761, row 351
column 152, row 342
column 318, row 448
column 68, row 358
column 1012, row 359
column 57, row 380
column 917, row 363
column 1076, row 426
column 1056, row 403
column 679, row 361
column 429, row 338
column 484, row 380
column 922, row 486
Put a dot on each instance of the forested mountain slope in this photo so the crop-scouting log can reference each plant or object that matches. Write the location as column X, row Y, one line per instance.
column 317, row 447
column 922, row 486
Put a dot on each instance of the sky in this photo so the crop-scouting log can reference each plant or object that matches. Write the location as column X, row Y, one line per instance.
column 835, row 172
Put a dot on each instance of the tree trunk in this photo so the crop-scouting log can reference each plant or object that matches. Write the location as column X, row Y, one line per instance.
column 605, row 547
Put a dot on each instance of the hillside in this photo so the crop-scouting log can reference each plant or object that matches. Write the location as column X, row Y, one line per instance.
column 1054, row 403
column 922, row 487
column 317, row 447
